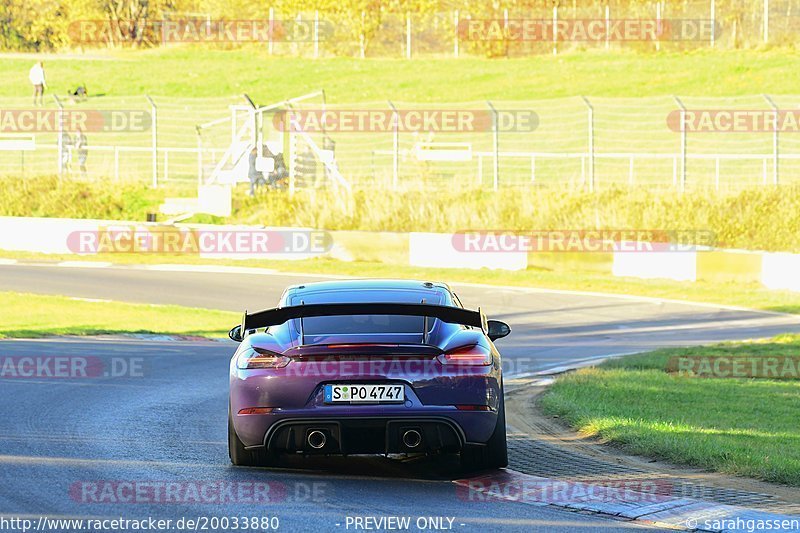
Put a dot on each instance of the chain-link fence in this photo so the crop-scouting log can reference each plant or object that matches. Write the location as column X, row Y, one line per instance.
column 496, row 30
column 577, row 142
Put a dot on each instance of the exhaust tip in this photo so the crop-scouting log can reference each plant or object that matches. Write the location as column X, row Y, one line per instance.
column 316, row 439
column 412, row 438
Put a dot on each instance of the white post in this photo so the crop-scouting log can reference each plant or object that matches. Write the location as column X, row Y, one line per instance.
column 658, row 26
column 271, row 29
column 505, row 30
column 608, row 23
column 455, row 36
column 555, row 33
column 766, row 21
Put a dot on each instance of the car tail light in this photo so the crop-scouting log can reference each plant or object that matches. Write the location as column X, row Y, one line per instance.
column 256, row 410
column 259, row 358
column 468, row 355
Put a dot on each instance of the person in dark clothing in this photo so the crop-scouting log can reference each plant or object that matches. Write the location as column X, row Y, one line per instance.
column 81, row 150
column 252, row 174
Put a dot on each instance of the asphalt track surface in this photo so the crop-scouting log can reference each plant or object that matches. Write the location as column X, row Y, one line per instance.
column 63, row 439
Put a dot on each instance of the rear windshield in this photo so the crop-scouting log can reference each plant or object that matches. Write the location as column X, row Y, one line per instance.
column 366, row 324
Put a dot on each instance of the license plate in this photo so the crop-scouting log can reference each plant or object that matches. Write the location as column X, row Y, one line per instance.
column 364, row 393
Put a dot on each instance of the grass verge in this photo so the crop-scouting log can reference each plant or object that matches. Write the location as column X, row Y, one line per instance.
column 31, row 315
column 201, row 71
column 744, row 427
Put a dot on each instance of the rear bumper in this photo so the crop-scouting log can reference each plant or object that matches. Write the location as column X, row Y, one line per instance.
column 445, row 430
column 367, row 435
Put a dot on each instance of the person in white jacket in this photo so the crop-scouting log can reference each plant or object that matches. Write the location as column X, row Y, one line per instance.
column 36, row 75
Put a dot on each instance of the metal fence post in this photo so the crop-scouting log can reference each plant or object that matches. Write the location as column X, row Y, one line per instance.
column 362, row 39
column 395, row 146
column 505, row 31
column 316, row 33
column 495, row 146
column 60, row 135
column 116, row 163
column 199, row 156
column 658, row 25
column 713, row 23
column 154, row 139
column 591, row 142
column 682, row 183
column 408, row 35
column 455, row 36
column 775, row 152
column 290, row 148
column 271, row 29
column 555, row 33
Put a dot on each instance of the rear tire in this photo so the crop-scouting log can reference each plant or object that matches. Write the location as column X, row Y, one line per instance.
column 495, row 453
column 240, row 456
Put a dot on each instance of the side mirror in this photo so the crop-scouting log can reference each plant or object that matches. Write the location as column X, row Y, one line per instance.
column 497, row 329
column 236, row 333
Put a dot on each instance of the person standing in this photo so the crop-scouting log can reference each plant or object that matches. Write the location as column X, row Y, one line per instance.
column 252, row 173
column 66, row 152
column 36, row 75
column 81, row 150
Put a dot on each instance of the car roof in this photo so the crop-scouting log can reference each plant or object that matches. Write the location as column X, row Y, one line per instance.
column 358, row 286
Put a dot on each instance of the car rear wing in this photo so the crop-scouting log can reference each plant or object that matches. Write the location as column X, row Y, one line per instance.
column 280, row 315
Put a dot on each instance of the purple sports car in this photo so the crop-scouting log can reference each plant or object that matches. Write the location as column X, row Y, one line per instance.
column 367, row 367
